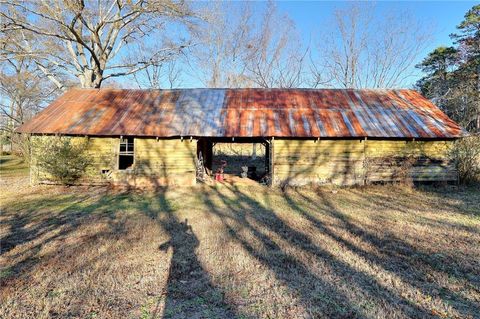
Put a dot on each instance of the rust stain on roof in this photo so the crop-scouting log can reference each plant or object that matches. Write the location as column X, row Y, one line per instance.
column 244, row 113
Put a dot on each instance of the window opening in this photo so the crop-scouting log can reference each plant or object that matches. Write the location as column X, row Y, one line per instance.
column 126, row 154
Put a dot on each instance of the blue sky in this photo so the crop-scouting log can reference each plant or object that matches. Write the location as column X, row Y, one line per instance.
column 310, row 16
column 443, row 16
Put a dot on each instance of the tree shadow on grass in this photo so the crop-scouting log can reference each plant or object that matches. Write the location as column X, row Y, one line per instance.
column 439, row 198
column 412, row 265
column 17, row 219
column 5, row 160
column 189, row 292
column 35, row 223
column 342, row 290
column 322, row 297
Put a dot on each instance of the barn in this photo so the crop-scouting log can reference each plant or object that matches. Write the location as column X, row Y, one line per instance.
column 310, row 136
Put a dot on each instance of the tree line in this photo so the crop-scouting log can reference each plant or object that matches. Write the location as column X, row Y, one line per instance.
column 452, row 74
column 49, row 46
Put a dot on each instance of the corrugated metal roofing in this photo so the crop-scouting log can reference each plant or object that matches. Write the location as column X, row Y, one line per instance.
column 244, row 113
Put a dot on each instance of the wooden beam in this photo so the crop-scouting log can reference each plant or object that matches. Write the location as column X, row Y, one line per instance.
column 272, row 161
column 267, row 157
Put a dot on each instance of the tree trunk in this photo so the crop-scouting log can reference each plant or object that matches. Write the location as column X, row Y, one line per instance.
column 478, row 97
column 91, row 79
column 11, row 124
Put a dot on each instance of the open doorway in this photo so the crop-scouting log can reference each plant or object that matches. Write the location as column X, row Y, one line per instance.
column 235, row 160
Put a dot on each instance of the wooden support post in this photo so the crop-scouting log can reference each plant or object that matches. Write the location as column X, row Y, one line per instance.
column 209, row 155
column 267, row 157
column 272, row 161
column 364, row 168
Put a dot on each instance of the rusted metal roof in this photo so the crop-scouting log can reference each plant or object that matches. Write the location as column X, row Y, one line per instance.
column 244, row 113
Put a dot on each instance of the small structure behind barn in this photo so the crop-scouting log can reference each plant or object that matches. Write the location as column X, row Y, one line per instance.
column 324, row 136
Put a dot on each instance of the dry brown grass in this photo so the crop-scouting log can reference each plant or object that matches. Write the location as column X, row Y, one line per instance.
column 240, row 252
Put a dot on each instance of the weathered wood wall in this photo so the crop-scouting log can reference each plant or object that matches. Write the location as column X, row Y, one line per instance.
column 299, row 162
column 295, row 162
column 100, row 150
column 415, row 160
column 162, row 162
column 347, row 162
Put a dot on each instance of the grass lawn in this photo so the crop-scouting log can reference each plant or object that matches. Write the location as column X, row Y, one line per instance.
column 12, row 166
column 239, row 252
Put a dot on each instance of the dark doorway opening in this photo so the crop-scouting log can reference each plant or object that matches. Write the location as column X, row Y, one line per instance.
column 236, row 159
column 240, row 158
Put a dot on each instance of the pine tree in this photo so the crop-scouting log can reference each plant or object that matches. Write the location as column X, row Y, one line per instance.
column 452, row 77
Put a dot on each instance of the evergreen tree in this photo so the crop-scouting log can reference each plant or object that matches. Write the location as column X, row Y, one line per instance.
column 452, row 77
column 438, row 66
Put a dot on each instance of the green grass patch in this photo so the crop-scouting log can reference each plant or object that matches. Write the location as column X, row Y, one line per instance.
column 13, row 166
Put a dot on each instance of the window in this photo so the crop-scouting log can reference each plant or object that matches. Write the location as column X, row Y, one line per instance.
column 126, row 154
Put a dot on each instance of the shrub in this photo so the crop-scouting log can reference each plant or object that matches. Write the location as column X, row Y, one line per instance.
column 62, row 158
column 466, row 153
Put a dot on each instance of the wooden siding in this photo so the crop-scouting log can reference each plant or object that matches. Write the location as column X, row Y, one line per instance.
column 156, row 163
column 299, row 162
column 347, row 162
column 100, row 150
column 416, row 160
column 102, row 154
column 162, row 162
column 296, row 162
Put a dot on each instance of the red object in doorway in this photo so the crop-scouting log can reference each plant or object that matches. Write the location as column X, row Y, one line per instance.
column 219, row 174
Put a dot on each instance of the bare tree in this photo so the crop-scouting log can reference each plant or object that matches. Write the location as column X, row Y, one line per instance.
column 276, row 56
column 160, row 76
column 24, row 90
column 88, row 39
column 368, row 50
column 249, row 50
column 219, row 59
